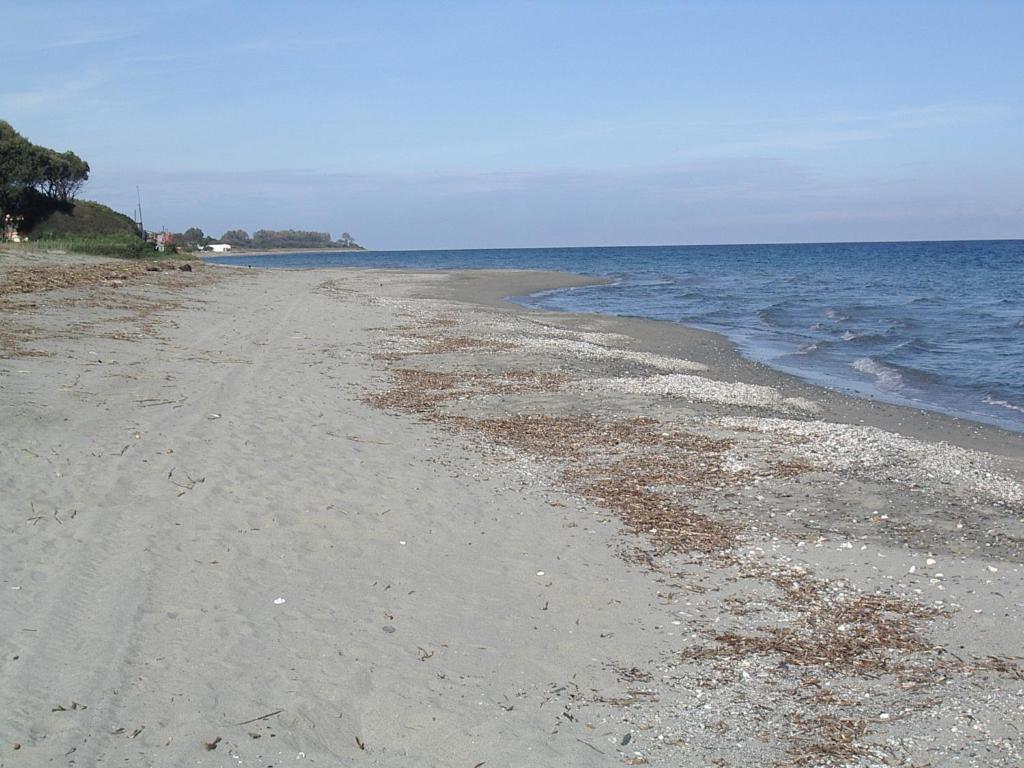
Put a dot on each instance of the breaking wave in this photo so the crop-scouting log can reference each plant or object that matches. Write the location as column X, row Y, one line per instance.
column 885, row 376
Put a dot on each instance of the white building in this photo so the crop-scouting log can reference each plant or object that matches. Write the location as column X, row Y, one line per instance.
column 219, row 247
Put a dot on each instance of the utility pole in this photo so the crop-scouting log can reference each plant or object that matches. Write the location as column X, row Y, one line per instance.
column 138, row 194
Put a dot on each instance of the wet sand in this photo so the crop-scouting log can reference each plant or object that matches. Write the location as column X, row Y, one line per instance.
column 385, row 518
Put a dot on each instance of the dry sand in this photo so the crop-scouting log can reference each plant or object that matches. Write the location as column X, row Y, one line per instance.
column 381, row 518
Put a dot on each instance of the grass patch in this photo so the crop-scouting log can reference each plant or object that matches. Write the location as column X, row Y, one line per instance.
column 84, row 219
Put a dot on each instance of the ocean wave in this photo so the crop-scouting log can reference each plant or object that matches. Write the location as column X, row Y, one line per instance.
column 916, row 344
column 1003, row 403
column 885, row 376
column 778, row 315
column 864, row 338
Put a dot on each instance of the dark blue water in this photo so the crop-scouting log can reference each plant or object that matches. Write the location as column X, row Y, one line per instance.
column 937, row 325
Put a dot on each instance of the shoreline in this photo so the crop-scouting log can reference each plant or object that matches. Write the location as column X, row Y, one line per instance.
column 723, row 356
column 497, row 297
column 388, row 516
column 943, row 420
column 273, row 252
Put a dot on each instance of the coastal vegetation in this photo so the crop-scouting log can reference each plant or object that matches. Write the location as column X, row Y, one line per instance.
column 268, row 239
column 38, row 187
column 38, row 191
column 194, row 239
column 31, row 175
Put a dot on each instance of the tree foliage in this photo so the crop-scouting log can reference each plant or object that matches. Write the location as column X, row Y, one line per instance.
column 192, row 239
column 31, row 176
column 237, row 237
column 290, row 238
column 63, row 175
column 286, row 238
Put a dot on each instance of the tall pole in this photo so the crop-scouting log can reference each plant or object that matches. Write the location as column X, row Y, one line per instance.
column 138, row 194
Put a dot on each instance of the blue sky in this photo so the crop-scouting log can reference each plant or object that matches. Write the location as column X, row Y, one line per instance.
column 472, row 124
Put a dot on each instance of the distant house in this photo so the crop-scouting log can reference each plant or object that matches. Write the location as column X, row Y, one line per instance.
column 162, row 240
column 219, row 247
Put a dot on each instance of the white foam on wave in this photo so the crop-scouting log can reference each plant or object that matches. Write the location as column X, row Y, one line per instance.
column 885, row 377
column 993, row 401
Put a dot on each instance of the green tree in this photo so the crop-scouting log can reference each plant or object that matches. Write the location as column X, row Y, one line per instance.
column 36, row 181
column 63, row 174
column 236, row 237
column 192, row 238
column 20, row 170
column 290, row 238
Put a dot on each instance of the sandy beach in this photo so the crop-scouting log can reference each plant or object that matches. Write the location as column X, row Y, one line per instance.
column 385, row 518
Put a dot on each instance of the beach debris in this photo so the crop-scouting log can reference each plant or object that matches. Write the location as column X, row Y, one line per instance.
column 279, row 601
column 73, row 706
column 419, row 391
column 185, row 268
column 211, row 745
column 388, row 628
column 423, row 654
column 187, row 486
column 261, row 717
column 702, row 389
column 49, row 278
column 360, row 743
column 678, row 483
column 437, row 346
column 874, row 452
column 587, row 350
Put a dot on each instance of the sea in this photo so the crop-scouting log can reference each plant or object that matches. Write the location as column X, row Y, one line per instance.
column 933, row 325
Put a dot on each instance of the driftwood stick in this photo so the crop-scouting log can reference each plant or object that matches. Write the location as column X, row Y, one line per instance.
column 261, row 717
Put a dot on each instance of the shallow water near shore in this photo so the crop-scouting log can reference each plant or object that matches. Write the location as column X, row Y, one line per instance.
column 935, row 325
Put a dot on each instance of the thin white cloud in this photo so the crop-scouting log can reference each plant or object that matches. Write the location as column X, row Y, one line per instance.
column 717, row 200
column 81, row 36
column 780, row 133
column 48, row 95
